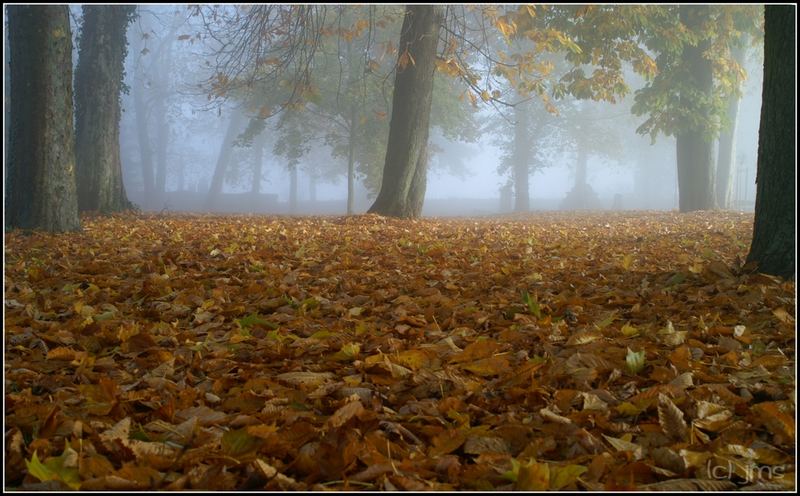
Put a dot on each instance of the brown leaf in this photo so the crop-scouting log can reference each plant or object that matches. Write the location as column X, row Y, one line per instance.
column 671, row 418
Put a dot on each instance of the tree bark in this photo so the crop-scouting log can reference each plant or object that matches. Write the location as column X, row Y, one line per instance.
column 41, row 192
column 694, row 146
column 403, row 185
column 98, row 81
column 416, row 194
column 234, row 128
column 773, row 247
column 727, row 142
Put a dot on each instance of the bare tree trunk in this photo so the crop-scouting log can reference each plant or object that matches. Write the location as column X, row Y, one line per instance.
column 258, row 163
column 402, row 187
column 293, row 189
column 161, row 118
column 98, row 81
column 234, row 128
column 351, row 167
column 522, row 158
column 694, row 149
column 416, row 194
column 143, row 136
column 41, row 191
column 773, row 246
column 727, row 142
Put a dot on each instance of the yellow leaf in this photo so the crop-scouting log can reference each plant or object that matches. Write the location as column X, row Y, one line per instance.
column 485, row 96
column 495, row 365
column 533, row 476
column 627, row 261
column 629, row 330
column 347, row 353
column 561, row 477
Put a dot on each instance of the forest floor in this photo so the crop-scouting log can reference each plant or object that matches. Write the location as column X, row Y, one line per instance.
column 596, row 351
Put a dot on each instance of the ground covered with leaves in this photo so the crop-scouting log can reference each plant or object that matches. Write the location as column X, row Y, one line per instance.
column 551, row 351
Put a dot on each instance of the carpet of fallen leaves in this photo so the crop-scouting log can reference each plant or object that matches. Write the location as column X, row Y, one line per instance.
column 549, row 351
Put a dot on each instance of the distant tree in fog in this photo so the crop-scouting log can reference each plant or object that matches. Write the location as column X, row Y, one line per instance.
column 687, row 99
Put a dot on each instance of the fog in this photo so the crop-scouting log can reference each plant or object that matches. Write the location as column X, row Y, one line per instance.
column 177, row 127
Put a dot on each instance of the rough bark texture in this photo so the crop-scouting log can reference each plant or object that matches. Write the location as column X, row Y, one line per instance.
column 522, row 158
column 773, row 246
column 403, row 185
column 416, row 193
column 727, row 144
column 234, row 128
column 40, row 188
column 693, row 146
column 98, row 81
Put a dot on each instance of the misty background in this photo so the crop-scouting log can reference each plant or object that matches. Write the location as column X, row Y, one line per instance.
column 168, row 61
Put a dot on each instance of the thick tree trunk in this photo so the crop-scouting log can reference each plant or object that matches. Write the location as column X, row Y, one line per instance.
column 694, row 144
column 40, row 189
column 522, row 158
column 726, row 151
column 773, row 246
column 694, row 156
column 403, row 187
column 416, row 194
column 98, row 81
column 218, row 179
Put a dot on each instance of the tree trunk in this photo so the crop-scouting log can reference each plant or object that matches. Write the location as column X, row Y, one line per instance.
column 416, row 194
column 522, row 158
column 140, row 106
column 293, row 188
column 41, row 192
column 773, row 246
column 403, row 187
column 351, row 165
column 224, row 157
column 258, row 163
column 727, row 142
column 98, row 81
column 694, row 147
column 161, row 119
